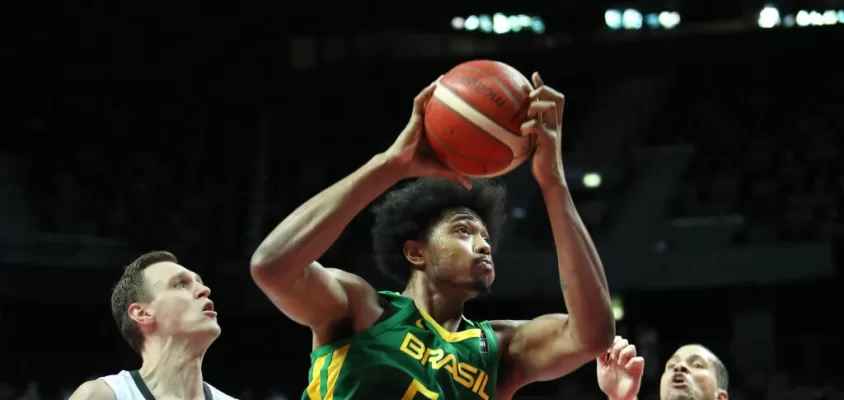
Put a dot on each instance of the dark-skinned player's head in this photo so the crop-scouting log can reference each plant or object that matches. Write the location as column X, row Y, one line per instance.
column 443, row 230
column 694, row 373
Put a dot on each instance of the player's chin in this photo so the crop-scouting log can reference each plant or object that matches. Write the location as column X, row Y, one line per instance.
column 479, row 287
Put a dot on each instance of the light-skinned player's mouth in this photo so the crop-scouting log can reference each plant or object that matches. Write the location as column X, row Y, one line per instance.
column 208, row 309
column 679, row 381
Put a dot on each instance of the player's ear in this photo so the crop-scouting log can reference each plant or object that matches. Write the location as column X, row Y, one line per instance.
column 140, row 314
column 414, row 252
column 721, row 394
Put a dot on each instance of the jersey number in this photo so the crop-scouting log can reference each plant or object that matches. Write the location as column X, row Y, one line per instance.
column 417, row 387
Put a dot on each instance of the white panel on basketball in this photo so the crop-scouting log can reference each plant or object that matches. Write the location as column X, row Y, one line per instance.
column 453, row 101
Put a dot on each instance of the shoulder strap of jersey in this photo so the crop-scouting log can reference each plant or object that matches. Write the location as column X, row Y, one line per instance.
column 142, row 387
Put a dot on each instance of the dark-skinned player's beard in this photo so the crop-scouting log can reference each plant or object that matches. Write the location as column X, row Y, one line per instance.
column 475, row 286
column 479, row 286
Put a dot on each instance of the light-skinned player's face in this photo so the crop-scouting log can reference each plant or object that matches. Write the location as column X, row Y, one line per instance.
column 458, row 253
column 690, row 375
column 179, row 304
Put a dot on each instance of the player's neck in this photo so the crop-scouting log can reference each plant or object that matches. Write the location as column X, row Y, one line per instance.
column 445, row 307
column 173, row 368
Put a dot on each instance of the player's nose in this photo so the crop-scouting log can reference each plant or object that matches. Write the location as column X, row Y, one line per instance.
column 204, row 291
column 482, row 246
column 680, row 367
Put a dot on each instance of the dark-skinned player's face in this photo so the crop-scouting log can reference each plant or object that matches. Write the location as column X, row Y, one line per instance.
column 458, row 254
column 690, row 374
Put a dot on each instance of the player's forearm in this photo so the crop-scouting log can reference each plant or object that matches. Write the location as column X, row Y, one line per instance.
column 582, row 277
column 311, row 229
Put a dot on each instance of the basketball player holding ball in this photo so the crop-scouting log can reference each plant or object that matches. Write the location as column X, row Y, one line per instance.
column 436, row 235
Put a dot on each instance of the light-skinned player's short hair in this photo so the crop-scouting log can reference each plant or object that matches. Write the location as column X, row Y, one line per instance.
column 722, row 377
column 132, row 288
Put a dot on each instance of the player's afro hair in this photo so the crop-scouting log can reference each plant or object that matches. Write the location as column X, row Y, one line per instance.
column 409, row 213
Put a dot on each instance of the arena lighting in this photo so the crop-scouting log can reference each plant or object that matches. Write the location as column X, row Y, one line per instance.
column 499, row 23
column 592, row 180
column 669, row 19
column 769, row 17
column 617, row 307
column 631, row 19
column 816, row 18
column 613, row 19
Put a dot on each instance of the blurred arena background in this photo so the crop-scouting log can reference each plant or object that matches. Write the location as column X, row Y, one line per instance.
column 703, row 139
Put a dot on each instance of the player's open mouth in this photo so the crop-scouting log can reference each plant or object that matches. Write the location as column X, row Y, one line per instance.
column 678, row 381
column 208, row 309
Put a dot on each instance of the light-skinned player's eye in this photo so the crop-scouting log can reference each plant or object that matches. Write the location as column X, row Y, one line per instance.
column 464, row 230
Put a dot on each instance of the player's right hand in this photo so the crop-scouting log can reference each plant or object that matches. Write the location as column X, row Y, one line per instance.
column 412, row 154
column 620, row 371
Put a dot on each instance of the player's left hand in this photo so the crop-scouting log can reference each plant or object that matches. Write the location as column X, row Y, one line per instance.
column 620, row 371
column 545, row 123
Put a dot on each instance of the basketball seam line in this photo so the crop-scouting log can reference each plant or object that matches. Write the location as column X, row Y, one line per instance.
column 451, row 100
column 480, row 128
column 462, row 155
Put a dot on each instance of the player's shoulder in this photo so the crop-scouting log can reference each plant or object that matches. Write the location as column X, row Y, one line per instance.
column 352, row 283
column 502, row 325
column 95, row 389
column 218, row 394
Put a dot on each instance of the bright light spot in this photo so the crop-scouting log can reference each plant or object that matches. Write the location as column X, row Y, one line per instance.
column 631, row 19
column 769, row 17
column 802, row 18
column 471, row 23
column 592, row 180
column 669, row 19
column 613, row 19
column 617, row 308
column 830, row 17
column 500, row 23
column 457, row 22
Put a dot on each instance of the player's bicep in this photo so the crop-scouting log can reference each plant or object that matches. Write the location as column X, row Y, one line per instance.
column 543, row 348
column 315, row 297
column 93, row 390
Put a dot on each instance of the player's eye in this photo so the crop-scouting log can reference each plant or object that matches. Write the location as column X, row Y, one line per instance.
column 464, row 230
column 181, row 285
column 698, row 365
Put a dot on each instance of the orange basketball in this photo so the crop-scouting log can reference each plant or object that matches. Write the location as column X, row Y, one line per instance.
column 473, row 119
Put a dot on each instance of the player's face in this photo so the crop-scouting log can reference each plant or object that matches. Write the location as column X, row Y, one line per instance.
column 690, row 375
column 458, row 253
column 180, row 305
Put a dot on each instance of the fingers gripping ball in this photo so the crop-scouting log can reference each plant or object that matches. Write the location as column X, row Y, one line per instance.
column 473, row 119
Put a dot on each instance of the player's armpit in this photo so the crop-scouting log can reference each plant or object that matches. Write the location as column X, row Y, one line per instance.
column 319, row 296
column 93, row 390
column 541, row 349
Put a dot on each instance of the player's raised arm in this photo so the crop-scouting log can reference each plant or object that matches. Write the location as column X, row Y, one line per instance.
column 285, row 265
column 551, row 346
